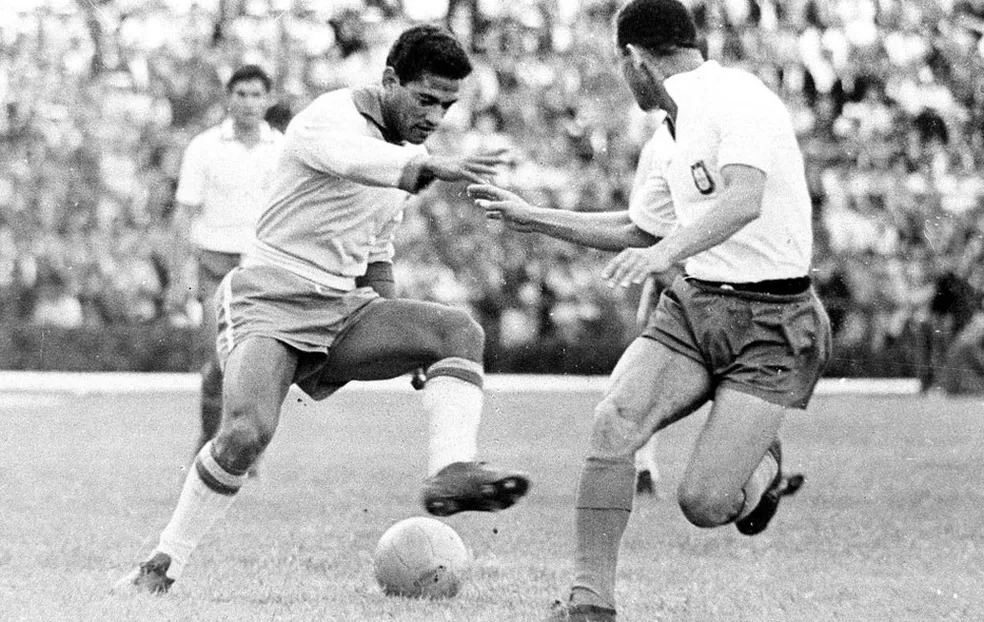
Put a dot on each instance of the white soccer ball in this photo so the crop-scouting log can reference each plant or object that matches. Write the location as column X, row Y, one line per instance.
column 420, row 557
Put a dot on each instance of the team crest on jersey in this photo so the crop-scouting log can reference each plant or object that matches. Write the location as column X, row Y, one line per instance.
column 702, row 179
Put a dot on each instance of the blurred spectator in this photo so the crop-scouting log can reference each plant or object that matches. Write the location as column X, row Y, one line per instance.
column 98, row 100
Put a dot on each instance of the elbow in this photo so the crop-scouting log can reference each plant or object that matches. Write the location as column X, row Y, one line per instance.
column 749, row 217
column 748, row 211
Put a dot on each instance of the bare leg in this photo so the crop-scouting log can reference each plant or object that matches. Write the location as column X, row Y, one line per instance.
column 718, row 485
column 651, row 387
column 393, row 337
column 258, row 374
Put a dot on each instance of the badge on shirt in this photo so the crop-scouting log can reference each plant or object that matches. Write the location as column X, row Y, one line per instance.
column 702, row 179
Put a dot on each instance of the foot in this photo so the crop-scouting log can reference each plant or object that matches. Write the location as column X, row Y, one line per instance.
column 568, row 612
column 644, row 483
column 758, row 519
column 472, row 487
column 149, row 577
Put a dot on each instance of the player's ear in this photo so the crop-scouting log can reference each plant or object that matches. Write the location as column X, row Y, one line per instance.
column 390, row 78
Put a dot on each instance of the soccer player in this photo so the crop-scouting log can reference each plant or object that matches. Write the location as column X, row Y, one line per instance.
column 742, row 328
column 226, row 173
column 293, row 312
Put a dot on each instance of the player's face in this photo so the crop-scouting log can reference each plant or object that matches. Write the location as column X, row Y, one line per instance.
column 248, row 102
column 418, row 107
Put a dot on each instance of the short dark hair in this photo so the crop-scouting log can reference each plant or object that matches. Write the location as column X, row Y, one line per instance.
column 428, row 49
column 246, row 73
column 659, row 26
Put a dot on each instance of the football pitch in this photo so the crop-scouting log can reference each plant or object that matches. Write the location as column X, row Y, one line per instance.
column 887, row 527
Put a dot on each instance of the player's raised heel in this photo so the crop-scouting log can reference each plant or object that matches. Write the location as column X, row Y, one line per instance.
column 149, row 577
column 756, row 522
column 472, row 487
column 568, row 612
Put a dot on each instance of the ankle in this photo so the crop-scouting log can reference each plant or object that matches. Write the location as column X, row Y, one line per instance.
column 582, row 596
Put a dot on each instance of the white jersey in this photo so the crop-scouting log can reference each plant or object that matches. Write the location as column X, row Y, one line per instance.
column 228, row 181
column 650, row 204
column 339, row 191
column 728, row 116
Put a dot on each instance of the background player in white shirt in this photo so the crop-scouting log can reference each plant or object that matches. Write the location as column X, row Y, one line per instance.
column 226, row 174
column 742, row 328
column 294, row 313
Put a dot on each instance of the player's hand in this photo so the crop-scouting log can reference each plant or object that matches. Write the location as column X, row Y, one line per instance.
column 503, row 205
column 477, row 168
column 634, row 265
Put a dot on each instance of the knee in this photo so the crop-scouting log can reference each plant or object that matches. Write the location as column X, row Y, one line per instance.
column 459, row 334
column 704, row 506
column 242, row 438
column 618, row 430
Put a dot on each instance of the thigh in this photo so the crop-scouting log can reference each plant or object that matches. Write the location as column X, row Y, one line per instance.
column 659, row 382
column 258, row 373
column 735, row 437
column 391, row 337
column 651, row 387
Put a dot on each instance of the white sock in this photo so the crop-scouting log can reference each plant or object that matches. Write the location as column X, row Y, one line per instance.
column 454, row 409
column 758, row 483
column 199, row 506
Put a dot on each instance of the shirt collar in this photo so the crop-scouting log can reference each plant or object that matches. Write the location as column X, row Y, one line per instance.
column 369, row 103
column 228, row 132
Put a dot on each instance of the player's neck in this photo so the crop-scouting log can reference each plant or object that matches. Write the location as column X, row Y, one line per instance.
column 246, row 133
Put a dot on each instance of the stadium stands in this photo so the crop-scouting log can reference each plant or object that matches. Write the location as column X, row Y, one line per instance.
column 99, row 99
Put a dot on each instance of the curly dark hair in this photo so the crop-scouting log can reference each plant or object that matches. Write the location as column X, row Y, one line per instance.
column 428, row 49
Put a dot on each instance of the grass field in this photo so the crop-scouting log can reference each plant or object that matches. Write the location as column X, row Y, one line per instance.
column 887, row 528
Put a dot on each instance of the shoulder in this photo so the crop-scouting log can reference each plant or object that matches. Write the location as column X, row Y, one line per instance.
column 746, row 86
column 212, row 134
column 330, row 110
column 332, row 104
column 206, row 139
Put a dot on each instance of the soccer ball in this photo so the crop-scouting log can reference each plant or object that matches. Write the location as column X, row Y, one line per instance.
column 420, row 557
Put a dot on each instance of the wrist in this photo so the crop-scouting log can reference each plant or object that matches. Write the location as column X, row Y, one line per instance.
column 417, row 174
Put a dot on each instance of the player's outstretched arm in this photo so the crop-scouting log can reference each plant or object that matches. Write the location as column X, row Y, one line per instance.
column 739, row 204
column 612, row 231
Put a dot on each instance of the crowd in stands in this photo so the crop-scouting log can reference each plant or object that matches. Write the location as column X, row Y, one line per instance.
column 99, row 99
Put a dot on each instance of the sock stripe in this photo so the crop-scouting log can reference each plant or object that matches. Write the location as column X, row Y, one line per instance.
column 214, row 476
column 460, row 368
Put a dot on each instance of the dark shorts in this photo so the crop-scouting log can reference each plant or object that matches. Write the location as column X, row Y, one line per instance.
column 212, row 268
column 774, row 347
column 264, row 301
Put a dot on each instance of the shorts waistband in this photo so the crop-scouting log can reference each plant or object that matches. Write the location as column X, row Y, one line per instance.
column 774, row 287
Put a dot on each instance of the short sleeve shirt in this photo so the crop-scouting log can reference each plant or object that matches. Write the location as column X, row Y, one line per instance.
column 650, row 204
column 728, row 116
column 228, row 181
